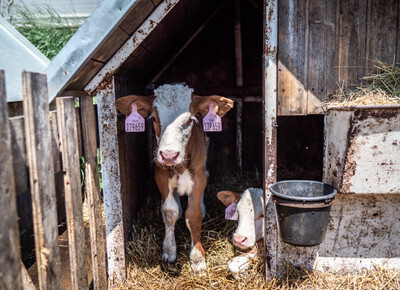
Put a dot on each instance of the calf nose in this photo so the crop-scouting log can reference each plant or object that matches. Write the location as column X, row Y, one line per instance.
column 240, row 241
column 169, row 156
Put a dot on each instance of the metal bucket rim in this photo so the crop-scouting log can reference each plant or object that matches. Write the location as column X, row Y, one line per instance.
column 303, row 198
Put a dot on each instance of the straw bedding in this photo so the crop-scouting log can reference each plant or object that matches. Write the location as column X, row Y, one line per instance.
column 146, row 270
column 380, row 88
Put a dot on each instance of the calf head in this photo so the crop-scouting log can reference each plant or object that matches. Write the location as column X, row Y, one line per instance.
column 250, row 206
column 175, row 110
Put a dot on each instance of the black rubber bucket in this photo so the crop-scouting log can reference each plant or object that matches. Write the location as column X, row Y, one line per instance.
column 302, row 210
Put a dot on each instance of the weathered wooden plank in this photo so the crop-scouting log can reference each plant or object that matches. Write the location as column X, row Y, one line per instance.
column 57, row 163
column 21, row 178
column 110, row 170
column 111, row 45
column 97, row 234
column 140, row 11
column 352, row 20
column 85, row 75
column 292, row 51
column 322, row 64
column 67, row 125
column 41, row 173
column 382, row 29
column 26, row 279
column 20, row 165
column 10, row 257
column 79, row 131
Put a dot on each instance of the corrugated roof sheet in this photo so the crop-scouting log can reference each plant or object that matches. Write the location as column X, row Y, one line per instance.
column 17, row 54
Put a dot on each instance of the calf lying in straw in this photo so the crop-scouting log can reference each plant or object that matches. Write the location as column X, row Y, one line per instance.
column 250, row 230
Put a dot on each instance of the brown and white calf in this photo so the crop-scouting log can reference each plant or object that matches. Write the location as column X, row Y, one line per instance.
column 250, row 229
column 180, row 156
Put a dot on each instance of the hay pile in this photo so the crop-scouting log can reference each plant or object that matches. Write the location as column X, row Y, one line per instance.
column 147, row 271
column 379, row 88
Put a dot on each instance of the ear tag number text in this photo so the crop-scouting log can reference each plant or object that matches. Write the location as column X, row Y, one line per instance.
column 212, row 122
column 231, row 212
column 134, row 122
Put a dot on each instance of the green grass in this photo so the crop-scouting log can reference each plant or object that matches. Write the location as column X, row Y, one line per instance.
column 45, row 29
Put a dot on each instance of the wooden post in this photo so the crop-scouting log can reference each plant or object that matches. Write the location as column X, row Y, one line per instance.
column 10, row 257
column 107, row 116
column 67, row 127
column 97, row 235
column 269, row 109
column 41, row 175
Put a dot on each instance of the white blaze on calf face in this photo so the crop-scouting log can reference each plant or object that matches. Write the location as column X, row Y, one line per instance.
column 251, row 219
column 173, row 107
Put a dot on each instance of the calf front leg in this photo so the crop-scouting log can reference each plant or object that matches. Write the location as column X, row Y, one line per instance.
column 170, row 214
column 194, row 221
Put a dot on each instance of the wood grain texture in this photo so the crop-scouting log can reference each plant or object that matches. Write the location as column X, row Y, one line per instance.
column 139, row 12
column 321, row 53
column 41, row 175
column 57, row 163
column 382, row 30
column 292, row 51
column 352, row 23
column 97, row 231
column 10, row 269
column 67, row 125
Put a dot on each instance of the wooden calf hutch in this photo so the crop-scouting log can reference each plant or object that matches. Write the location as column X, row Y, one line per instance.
column 279, row 61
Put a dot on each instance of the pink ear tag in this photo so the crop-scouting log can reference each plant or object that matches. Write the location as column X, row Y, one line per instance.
column 212, row 122
column 134, row 122
column 231, row 212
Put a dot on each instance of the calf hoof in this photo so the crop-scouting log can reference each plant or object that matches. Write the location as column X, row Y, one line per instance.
column 198, row 262
column 238, row 266
column 169, row 251
column 167, row 258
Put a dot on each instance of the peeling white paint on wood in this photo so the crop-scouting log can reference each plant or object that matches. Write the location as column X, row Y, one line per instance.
column 363, row 232
column 362, row 149
column 107, row 116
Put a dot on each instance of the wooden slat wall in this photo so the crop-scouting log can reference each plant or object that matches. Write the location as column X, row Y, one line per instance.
column 325, row 43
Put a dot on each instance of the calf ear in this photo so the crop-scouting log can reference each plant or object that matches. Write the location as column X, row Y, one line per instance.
column 201, row 104
column 227, row 197
column 144, row 104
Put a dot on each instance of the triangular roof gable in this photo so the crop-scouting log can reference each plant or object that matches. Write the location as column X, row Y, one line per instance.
column 125, row 33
